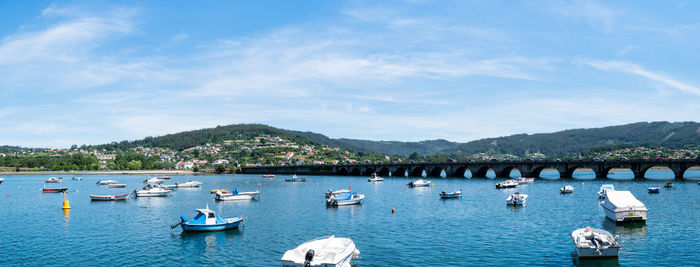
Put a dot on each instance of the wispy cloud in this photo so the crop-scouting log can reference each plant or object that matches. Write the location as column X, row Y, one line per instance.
column 592, row 12
column 640, row 71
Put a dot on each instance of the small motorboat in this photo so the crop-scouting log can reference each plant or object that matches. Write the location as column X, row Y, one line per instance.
column 294, row 178
column 595, row 243
column 54, row 180
column 605, row 188
column 235, row 195
column 109, row 197
column 167, row 186
column 654, row 190
column 218, row 190
column 523, row 180
column 77, row 178
column 189, row 184
column 419, row 183
column 269, row 175
column 567, row 189
column 453, row 194
column 621, row 206
column 54, row 190
column 106, row 182
column 325, row 251
column 343, row 197
column 516, row 198
column 506, row 184
column 154, row 180
column 375, row 178
column 2, row 180
column 207, row 220
column 668, row 184
column 152, row 192
column 116, row 185
column 164, row 177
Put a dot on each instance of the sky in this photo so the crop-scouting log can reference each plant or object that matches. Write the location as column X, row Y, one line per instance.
column 93, row 72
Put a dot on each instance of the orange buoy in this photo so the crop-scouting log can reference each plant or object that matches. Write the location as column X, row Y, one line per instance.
column 350, row 187
column 393, row 210
column 405, row 188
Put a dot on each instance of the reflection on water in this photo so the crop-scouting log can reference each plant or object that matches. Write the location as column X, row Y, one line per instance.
column 66, row 216
column 549, row 174
column 595, row 262
column 627, row 228
column 583, row 174
column 491, row 174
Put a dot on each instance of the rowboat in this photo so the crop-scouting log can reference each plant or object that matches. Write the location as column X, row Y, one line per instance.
column 595, row 243
column 453, row 194
column 235, row 195
column 326, row 251
column 116, row 185
column 54, row 190
column 207, row 220
column 109, row 197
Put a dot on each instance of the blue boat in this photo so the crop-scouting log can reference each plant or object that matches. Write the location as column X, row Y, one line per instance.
column 453, row 194
column 208, row 220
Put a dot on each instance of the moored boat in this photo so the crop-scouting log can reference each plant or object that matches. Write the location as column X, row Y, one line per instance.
column 506, row 184
column 54, row 180
column 668, row 184
column 106, row 182
column 326, row 252
column 269, row 175
column 235, row 195
column 419, row 183
column 77, row 178
column 152, row 192
column 154, row 180
column 116, row 185
column 109, row 197
column 566, row 189
column 375, row 178
column 2, row 180
column 213, row 191
column 343, row 197
column 622, row 206
column 654, row 190
column 189, row 184
column 294, row 178
column 164, row 177
column 595, row 243
column 605, row 188
column 516, row 198
column 453, row 194
column 523, row 180
column 54, row 190
column 207, row 220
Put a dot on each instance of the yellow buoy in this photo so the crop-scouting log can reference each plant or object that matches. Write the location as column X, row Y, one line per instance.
column 66, row 206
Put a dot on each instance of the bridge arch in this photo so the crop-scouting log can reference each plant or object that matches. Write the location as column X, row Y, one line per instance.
column 481, row 173
column 356, row 172
column 693, row 176
column 400, row 171
column 437, row 172
column 384, row 172
column 461, row 172
column 607, row 172
column 505, row 172
column 368, row 171
column 343, row 171
column 661, row 168
column 417, row 171
column 571, row 170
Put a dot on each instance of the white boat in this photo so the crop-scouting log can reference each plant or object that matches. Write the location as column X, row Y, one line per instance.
column 375, row 178
column 622, row 206
column 77, row 178
column 106, row 182
column 2, row 180
column 168, row 186
column 325, row 251
column 189, row 184
column 152, row 192
column 516, row 199
column 235, row 195
column 116, row 185
column 54, row 180
column 343, row 197
column 523, row 180
column 507, row 184
column 605, row 188
column 566, row 189
column 154, row 180
column 419, row 183
column 595, row 243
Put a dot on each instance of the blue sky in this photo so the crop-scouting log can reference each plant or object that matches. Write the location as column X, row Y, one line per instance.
column 91, row 72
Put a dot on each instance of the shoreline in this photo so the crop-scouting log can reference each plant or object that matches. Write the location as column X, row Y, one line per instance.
column 126, row 172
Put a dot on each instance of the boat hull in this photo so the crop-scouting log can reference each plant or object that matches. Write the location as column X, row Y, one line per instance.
column 149, row 194
column 109, row 197
column 55, row 190
column 634, row 215
column 590, row 253
column 234, row 198
column 210, row 228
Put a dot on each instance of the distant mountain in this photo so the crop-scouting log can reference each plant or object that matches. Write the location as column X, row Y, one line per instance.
column 9, row 149
column 673, row 135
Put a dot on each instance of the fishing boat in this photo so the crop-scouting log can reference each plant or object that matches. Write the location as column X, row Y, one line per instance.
column 154, row 180
column 453, row 194
column 419, row 183
column 235, row 195
column 566, row 189
column 294, row 178
column 207, row 220
column 375, row 178
column 189, row 184
column 269, row 175
column 152, row 192
column 343, row 197
column 506, row 184
column 523, row 180
column 77, row 178
column 106, row 182
column 621, row 206
column 328, row 251
column 116, row 185
column 516, row 198
column 668, row 184
column 109, row 197
column 54, row 190
column 54, row 180
column 605, row 188
column 654, row 190
column 595, row 243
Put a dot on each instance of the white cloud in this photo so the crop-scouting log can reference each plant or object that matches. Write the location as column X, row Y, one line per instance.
column 640, row 71
column 591, row 11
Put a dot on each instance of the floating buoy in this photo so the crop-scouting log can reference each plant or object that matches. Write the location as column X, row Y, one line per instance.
column 350, row 187
column 8, row 195
column 148, row 206
column 66, row 206
column 581, row 183
column 393, row 210
column 405, row 188
column 76, row 190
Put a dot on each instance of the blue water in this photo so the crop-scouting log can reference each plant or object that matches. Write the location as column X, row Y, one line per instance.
column 478, row 229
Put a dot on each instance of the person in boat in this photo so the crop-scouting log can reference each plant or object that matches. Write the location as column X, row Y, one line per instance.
column 234, row 191
column 443, row 192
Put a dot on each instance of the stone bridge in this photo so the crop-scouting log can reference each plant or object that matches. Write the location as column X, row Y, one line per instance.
column 527, row 168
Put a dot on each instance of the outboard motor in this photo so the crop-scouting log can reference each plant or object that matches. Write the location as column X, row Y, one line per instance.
column 309, row 257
